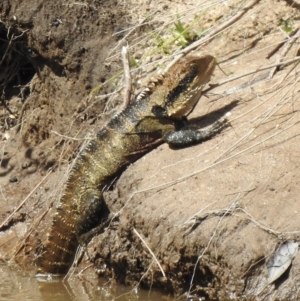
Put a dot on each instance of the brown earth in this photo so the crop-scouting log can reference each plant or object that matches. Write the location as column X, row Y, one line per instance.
column 212, row 214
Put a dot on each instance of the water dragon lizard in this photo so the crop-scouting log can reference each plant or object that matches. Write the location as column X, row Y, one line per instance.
column 156, row 116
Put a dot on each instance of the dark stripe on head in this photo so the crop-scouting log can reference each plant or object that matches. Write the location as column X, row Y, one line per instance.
column 183, row 85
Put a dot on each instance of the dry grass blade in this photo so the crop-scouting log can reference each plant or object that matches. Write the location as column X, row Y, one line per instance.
column 215, row 32
column 232, row 206
column 25, row 200
column 152, row 254
column 33, row 227
column 230, row 79
column 13, row 58
column 285, row 50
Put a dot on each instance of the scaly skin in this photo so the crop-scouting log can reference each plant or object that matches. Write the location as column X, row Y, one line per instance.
column 143, row 125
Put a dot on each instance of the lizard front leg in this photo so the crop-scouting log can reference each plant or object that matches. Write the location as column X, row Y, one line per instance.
column 185, row 137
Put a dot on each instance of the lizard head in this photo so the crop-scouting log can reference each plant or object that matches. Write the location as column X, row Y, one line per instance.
column 183, row 85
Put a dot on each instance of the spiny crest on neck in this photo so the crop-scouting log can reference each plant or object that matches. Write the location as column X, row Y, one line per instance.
column 151, row 85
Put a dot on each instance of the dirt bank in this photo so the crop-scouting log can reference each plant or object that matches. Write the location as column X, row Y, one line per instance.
column 211, row 214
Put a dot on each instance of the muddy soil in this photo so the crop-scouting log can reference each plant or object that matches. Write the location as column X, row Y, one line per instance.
column 212, row 214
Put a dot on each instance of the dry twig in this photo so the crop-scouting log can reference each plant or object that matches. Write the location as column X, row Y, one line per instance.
column 154, row 257
column 286, row 48
column 24, row 201
column 127, row 75
column 213, row 34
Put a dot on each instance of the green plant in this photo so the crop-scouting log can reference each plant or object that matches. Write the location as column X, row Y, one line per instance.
column 184, row 34
column 287, row 26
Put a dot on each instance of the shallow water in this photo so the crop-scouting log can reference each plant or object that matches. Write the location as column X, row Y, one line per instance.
column 19, row 286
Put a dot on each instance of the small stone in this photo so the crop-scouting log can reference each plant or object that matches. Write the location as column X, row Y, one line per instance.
column 156, row 57
column 13, row 180
column 26, row 164
column 138, row 55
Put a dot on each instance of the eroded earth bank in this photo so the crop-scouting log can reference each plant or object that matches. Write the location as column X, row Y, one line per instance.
column 212, row 214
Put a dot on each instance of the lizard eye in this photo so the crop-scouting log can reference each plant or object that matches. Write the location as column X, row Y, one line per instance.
column 194, row 68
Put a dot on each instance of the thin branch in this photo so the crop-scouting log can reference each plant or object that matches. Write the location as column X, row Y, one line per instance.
column 5, row 53
column 130, row 31
column 154, row 257
column 78, row 256
column 127, row 76
column 72, row 138
column 286, row 48
column 22, row 244
column 230, row 79
column 210, row 240
column 24, row 201
column 211, row 35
